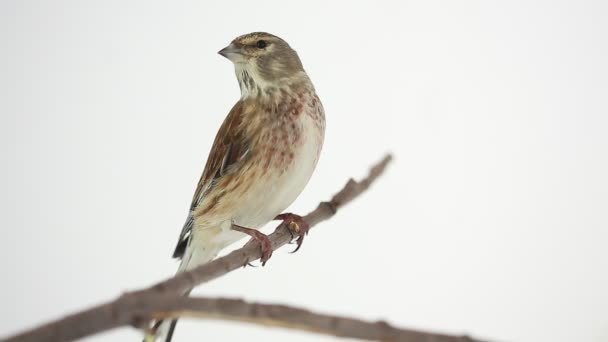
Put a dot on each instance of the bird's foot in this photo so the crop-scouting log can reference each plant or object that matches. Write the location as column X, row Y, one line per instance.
column 261, row 238
column 296, row 225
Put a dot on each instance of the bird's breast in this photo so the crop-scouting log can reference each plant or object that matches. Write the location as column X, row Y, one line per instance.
column 286, row 154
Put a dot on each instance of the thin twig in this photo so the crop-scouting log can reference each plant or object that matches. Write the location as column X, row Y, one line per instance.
column 282, row 316
column 163, row 299
column 292, row 318
column 280, row 237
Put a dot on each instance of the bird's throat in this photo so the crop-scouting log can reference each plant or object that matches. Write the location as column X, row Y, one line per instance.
column 253, row 84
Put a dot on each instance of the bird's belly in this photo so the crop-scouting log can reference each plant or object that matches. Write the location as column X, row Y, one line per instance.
column 282, row 184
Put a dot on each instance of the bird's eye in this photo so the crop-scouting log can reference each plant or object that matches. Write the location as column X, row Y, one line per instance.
column 261, row 44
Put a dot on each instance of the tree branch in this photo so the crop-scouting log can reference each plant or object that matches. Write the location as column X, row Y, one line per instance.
column 281, row 236
column 163, row 299
column 291, row 318
column 283, row 316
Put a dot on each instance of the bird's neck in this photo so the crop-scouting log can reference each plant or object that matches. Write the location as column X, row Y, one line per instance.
column 253, row 85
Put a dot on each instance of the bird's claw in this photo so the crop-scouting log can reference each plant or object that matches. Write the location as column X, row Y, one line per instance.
column 297, row 226
column 261, row 238
column 266, row 250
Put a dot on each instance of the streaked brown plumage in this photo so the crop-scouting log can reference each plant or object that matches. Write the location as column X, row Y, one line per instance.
column 262, row 157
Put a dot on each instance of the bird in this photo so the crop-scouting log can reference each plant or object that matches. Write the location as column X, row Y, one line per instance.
column 263, row 155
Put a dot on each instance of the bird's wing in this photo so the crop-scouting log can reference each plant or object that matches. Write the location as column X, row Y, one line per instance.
column 230, row 147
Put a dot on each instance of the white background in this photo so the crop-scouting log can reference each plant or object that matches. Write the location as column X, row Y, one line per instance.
column 491, row 221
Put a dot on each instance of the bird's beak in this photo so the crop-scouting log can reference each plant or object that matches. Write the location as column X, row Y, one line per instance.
column 231, row 52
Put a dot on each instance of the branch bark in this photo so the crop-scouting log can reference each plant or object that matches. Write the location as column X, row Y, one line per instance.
column 292, row 318
column 280, row 237
column 163, row 300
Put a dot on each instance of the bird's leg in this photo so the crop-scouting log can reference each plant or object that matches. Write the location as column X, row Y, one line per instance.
column 296, row 225
column 260, row 237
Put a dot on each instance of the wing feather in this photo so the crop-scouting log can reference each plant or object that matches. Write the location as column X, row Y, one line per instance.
column 229, row 148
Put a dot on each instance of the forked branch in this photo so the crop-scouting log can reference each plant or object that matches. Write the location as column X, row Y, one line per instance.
column 163, row 300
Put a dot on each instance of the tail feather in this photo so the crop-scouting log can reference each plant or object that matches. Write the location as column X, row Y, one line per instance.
column 171, row 330
column 163, row 330
column 200, row 250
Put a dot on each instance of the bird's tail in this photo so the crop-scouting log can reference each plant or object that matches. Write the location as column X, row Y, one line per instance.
column 196, row 253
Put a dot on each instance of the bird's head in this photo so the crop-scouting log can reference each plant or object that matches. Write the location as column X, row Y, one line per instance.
column 261, row 60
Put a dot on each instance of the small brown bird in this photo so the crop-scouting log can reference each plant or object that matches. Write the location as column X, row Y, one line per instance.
column 262, row 157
